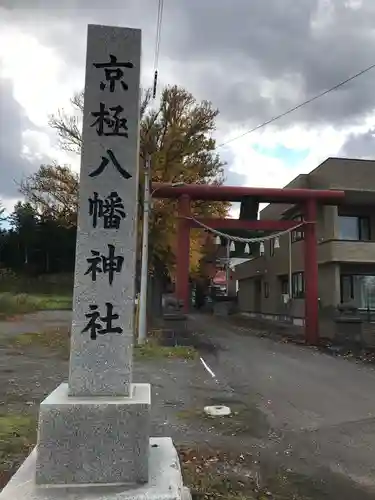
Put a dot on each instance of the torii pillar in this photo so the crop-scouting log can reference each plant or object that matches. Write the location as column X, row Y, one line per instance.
column 311, row 274
column 183, row 251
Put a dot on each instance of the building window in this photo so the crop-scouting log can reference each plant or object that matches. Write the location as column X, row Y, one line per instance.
column 266, row 290
column 360, row 289
column 346, row 288
column 297, row 235
column 272, row 247
column 298, row 285
column 354, row 228
column 284, row 285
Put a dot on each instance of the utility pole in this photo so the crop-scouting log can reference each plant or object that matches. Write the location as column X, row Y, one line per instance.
column 142, row 323
column 290, row 287
column 227, row 269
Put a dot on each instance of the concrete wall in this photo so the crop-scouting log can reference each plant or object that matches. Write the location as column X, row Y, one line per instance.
column 271, row 303
column 347, row 251
column 273, row 211
column 334, row 173
column 254, row 267
column 329, row 285
column 246, row 293
column 329, row 292
column 329, row 226
column 332, row 249
column 344, row 173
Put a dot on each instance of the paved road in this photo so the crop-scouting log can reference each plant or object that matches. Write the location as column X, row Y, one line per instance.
column 321, row 409
column 299, row 410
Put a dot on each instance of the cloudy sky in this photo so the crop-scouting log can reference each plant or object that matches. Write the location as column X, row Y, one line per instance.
column 253, row 59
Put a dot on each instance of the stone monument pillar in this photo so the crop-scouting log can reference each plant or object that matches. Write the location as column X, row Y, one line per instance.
column 94, row 432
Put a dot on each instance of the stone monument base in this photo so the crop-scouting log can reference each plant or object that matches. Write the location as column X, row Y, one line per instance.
column 165, row 481
column 90, row 440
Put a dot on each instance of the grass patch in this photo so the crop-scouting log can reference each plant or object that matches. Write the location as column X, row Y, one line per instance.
column 23, row 303
column 55, row 341
column 17, row 437
column 48, row 284
column 153, row 350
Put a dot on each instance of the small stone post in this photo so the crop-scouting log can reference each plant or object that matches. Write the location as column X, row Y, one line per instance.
column 94, row 432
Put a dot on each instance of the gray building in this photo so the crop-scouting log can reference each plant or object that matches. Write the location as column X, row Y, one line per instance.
column 345, row 240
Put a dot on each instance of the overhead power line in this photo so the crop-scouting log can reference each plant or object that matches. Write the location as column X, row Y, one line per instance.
column 157, row 45
column 302, row 104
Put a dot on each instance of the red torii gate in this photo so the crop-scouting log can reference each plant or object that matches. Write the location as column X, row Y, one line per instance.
column 308, row 199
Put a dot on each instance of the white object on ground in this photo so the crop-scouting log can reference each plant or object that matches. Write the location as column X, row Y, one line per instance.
column 217, row 411
column 207, row 368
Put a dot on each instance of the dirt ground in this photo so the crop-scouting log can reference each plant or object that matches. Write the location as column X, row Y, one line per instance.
column 237, row 457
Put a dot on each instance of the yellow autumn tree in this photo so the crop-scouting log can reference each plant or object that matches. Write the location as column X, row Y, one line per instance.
column 177, row 135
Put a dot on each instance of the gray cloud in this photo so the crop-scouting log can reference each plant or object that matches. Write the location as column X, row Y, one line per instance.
column 13, row 122
column 252, row 59
column 64, row 27
column 234, row 179
column 360, row 146
column 248, row 44
column 231, row 178
column 229, row 51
